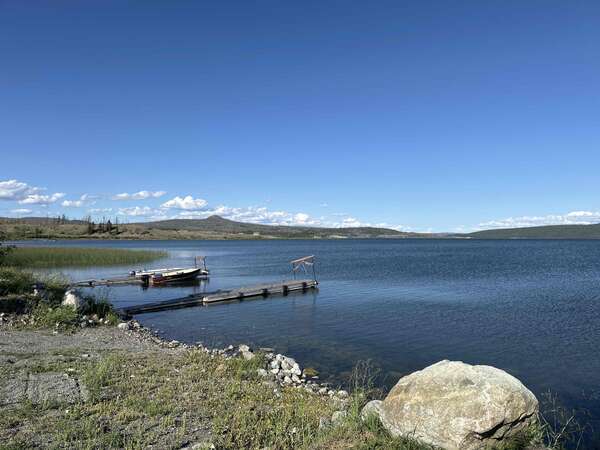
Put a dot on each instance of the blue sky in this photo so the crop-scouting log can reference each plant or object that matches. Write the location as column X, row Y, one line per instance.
column 443, row 116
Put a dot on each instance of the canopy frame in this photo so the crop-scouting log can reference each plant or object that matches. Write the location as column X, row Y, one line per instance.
column 201, row 259
column 304, row 264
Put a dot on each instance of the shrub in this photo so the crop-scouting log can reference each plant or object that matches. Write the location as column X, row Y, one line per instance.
column 13, row 281
column 63, row 317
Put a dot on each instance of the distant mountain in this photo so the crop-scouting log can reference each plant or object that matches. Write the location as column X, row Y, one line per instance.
column 213, row 227
column 545, row 232
column 217, row 224
column 216, row 227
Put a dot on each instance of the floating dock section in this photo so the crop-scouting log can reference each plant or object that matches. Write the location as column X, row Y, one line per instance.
column 259, row 290
column 108, row 282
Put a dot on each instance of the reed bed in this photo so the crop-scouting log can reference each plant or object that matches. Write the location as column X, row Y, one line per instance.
column 46, row 257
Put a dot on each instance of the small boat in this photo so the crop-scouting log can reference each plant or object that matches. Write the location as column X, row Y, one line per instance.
column 175, row 275
column 172, row 274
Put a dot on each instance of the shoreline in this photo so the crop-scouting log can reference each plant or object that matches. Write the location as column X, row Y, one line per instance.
column 279, row 368
column 95, row 368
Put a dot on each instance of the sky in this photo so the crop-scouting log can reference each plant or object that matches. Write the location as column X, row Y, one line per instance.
column 420, row 116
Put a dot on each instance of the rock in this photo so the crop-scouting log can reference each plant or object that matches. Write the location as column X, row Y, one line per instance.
column 338, row 416
column 123, row 326
column 285, row 365
column 262, row 373
column 247, row 355
column 296, row 370
column 310, row 372
column 71, row 299
column 244, row 348
column 373, row 408
column 275, row 371
column 287, row 380
column 342, row 394
column 455, row 406
column 295, row 378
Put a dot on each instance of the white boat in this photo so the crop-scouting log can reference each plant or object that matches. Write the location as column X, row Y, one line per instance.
column 175, row 275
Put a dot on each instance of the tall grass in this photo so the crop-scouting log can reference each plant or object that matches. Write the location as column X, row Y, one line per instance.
column 46, row 257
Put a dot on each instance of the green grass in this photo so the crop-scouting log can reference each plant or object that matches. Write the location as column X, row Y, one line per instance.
column 174, row 400
column 153, row 399
column 49, row 257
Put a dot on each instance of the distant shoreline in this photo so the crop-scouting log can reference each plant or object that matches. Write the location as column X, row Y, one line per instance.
column 218, row 228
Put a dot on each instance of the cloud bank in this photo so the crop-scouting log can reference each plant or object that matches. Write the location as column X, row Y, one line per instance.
column 141, row 195
column 571, row 218
column 25, row 194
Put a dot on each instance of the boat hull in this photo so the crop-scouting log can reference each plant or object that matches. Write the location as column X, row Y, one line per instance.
column 177, row 275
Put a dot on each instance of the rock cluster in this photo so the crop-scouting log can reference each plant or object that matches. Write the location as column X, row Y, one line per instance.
column 279, row 370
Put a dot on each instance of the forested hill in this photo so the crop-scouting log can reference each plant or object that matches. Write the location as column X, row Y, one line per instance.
column 213, row 227
column 545, row 232
column 217, row 224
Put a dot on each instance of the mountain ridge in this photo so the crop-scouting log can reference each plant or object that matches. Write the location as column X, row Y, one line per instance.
column 217, row 227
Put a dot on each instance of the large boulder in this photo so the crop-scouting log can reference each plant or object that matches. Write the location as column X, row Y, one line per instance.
column 454, row 405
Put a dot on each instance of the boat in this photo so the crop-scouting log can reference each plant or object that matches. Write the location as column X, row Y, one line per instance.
column 175, row 275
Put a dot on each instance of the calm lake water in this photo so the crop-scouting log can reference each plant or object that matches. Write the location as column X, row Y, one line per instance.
column 529, row 307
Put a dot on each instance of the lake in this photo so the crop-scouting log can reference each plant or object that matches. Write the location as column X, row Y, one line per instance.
column 530, row 307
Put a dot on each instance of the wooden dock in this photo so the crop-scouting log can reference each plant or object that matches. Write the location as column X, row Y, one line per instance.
column 107, row 282
column 260, row 290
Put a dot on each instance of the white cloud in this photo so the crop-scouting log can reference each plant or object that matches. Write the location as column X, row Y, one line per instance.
column 141, row 195
column 187, row 203
column 99, row 210
column 137, row 211
column 83, row 200
column 41, row 199
column 571, row 218
column 16, row 190
column 21, row 211
column 301, row 218
column 23, row 193
column 351, row 222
